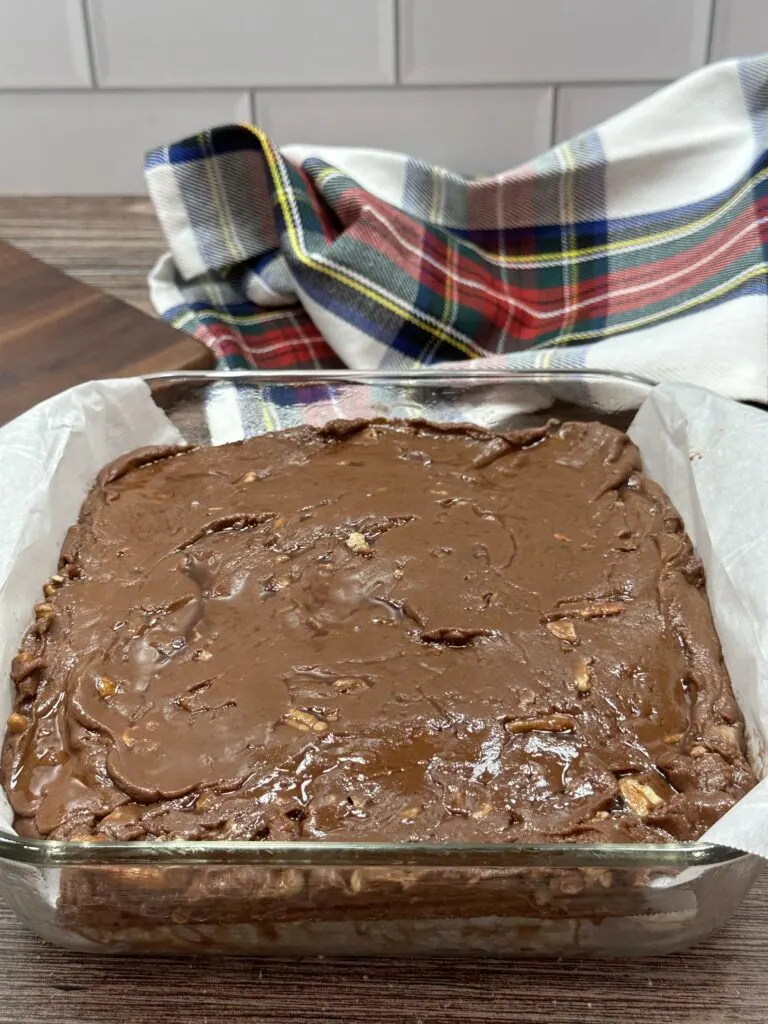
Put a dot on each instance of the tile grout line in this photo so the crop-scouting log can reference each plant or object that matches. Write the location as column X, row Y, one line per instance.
column 85, row 14
column 396, row 31
column 553, row 115
column 42, row 90
column 710, row 31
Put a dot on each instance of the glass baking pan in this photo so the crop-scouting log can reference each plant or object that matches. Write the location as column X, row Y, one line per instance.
column 376, row 899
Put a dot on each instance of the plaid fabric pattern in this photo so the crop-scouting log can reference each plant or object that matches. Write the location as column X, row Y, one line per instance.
column 639, row 247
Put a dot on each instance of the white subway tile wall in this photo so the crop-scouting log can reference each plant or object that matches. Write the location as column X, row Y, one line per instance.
column 242, row 42
column 43, row 45
column 73, row 143
column 450, row 127
column 86, row 86
column 740, row 28
column 550, row 40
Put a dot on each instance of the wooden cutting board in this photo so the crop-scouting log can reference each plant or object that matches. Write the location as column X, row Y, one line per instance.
column 56, row 332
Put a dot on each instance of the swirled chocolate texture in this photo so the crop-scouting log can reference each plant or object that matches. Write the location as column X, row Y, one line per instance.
column 376, row 630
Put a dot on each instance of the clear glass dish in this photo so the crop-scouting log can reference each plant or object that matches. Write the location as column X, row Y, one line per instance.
column 376, row 899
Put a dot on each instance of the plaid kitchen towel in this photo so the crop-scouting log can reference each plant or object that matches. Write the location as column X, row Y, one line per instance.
column 640, row 246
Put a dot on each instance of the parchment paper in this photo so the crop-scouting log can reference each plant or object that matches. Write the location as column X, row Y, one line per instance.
column 708, row 452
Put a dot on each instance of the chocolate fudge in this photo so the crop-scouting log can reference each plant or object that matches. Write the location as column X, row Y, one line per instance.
column 376, row 631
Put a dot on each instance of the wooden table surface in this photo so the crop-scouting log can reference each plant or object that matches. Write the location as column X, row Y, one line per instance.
column 56, row 331
column 111, row 243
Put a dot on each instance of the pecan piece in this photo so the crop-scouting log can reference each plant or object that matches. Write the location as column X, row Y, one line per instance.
column 547, row 723
column 590, row 610
column 639, row 797
column 351, row 685
column 44, row 616
column 105, row 686
column 304, row 721
column 16, row 723
column 482, row 811
column 563, row 630
column 24, row 664
column 724, row 739
column 583, row 676
column 356, row 542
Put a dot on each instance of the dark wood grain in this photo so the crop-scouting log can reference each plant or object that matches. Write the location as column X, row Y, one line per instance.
column 56, row 332
column 724, row 980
